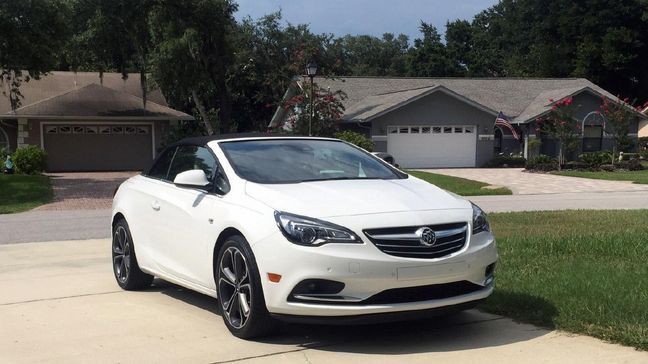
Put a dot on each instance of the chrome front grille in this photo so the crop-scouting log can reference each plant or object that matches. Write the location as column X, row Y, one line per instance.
column 405, row 242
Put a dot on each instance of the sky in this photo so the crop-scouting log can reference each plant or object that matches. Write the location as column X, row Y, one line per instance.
column 373, row 17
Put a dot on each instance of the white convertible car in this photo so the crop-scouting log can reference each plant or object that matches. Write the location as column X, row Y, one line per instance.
column 302, row 229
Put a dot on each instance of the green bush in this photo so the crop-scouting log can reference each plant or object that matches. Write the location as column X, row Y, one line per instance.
column 631, row 165
column 629, row 156
column 3, row 155
column 594, row 160
column 30, row 160
column 506, row 161
column 356, row 139
column 643, row 144
column 542, row 163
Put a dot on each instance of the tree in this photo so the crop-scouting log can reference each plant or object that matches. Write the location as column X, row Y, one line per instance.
column 428, row 57
column 618, row 115
column 561, row 125
column 33, row 32
column 193, row 55
column 326, row 114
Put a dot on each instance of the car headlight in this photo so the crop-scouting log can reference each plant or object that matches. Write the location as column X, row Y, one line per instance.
column 480, row 221
column 307, row 231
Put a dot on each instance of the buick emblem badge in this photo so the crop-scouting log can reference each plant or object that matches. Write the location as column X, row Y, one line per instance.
column 426, row 236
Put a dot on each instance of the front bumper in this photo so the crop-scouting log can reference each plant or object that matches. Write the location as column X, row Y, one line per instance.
column 366, row 271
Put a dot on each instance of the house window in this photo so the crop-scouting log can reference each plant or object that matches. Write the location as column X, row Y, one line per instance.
column 425, row 130
column 4, row 141
column 436, row 130
column 414, row 130
column 392, row 130
column 50, row 129
column 404, row 130
column 447, row 129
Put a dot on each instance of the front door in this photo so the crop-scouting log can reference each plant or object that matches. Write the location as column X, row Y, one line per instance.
column 191, row 225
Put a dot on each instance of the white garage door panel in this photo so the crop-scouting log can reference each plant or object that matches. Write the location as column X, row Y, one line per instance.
column 433, row 150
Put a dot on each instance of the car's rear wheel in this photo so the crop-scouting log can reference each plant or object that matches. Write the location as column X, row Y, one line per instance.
column 240, row 295
column 125, row 266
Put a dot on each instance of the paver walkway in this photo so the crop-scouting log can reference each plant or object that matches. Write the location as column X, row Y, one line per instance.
column 528, row 183
column 84, row 191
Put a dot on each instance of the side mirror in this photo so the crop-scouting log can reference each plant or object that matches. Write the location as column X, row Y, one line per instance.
column 195, row 178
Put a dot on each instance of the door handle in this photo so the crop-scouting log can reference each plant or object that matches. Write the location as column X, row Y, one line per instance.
column 155, row 205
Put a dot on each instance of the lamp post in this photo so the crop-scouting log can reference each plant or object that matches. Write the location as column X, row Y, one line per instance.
column 311, row 71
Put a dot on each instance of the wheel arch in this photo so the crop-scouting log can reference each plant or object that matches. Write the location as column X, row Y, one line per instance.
column 222, row 237
column 118, row 216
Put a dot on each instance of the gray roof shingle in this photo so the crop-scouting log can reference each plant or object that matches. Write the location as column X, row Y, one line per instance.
column 94, row 100
column 520, row 99
column 59, row 82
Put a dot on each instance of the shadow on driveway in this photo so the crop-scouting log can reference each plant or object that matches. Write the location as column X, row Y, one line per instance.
column 462, row 331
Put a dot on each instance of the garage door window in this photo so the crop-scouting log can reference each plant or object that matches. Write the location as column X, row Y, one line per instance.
column 469, row 129
column 414, row 130
column 447, row 130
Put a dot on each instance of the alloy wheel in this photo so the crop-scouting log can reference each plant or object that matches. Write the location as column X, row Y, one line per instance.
column 234, row 288
column 121, row 253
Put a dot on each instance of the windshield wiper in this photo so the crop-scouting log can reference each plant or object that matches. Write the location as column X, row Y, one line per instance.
column 337, row 179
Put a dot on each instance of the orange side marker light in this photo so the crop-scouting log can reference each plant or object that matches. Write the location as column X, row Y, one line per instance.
column 273, row 277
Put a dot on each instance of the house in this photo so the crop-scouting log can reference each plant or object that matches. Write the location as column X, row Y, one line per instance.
column 450, row 122
column 643, row 125
column 88, row 123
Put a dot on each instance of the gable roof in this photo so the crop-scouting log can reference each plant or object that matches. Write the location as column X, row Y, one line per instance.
column 374, row 106
column 520, row 99
column 96, row 101
column 58, row 82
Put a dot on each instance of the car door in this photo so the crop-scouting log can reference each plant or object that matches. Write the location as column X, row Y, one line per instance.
column 145, row 222
column 190, row 227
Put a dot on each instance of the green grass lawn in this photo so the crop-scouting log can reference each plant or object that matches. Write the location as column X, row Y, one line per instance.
column 460, row 186
column 580, row 271
column 634, row 176
column 20, row 193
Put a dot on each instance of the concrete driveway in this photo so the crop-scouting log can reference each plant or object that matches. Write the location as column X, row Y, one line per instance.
column 527, row 183
column 59, row 303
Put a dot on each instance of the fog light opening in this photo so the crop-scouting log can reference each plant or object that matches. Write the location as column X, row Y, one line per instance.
column 489, row 274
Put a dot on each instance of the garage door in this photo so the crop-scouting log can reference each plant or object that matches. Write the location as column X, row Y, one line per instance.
column 84, row 147
column 433, row 146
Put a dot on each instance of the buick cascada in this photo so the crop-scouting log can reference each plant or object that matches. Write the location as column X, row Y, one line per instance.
column 302, row 229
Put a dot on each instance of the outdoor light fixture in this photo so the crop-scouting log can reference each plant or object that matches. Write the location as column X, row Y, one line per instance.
column 311, row 71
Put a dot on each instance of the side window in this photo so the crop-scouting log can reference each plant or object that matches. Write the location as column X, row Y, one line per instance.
column 192, row 157
column 161, row 166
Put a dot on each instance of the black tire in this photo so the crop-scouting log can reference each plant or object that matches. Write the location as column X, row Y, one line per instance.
column 125, row 267
column 237, row 288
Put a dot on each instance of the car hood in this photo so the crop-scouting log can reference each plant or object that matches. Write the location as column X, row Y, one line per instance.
column 354, row 197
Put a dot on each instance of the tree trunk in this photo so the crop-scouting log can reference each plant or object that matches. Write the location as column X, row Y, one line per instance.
column 561, row 157
column 143, row 86
column 203, row 113
column 225, row 110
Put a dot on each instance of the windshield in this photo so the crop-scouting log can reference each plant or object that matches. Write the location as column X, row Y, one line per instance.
column 302, row 160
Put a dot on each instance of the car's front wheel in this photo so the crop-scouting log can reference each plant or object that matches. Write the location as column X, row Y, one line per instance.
column 125, row 267
column 240, row 295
